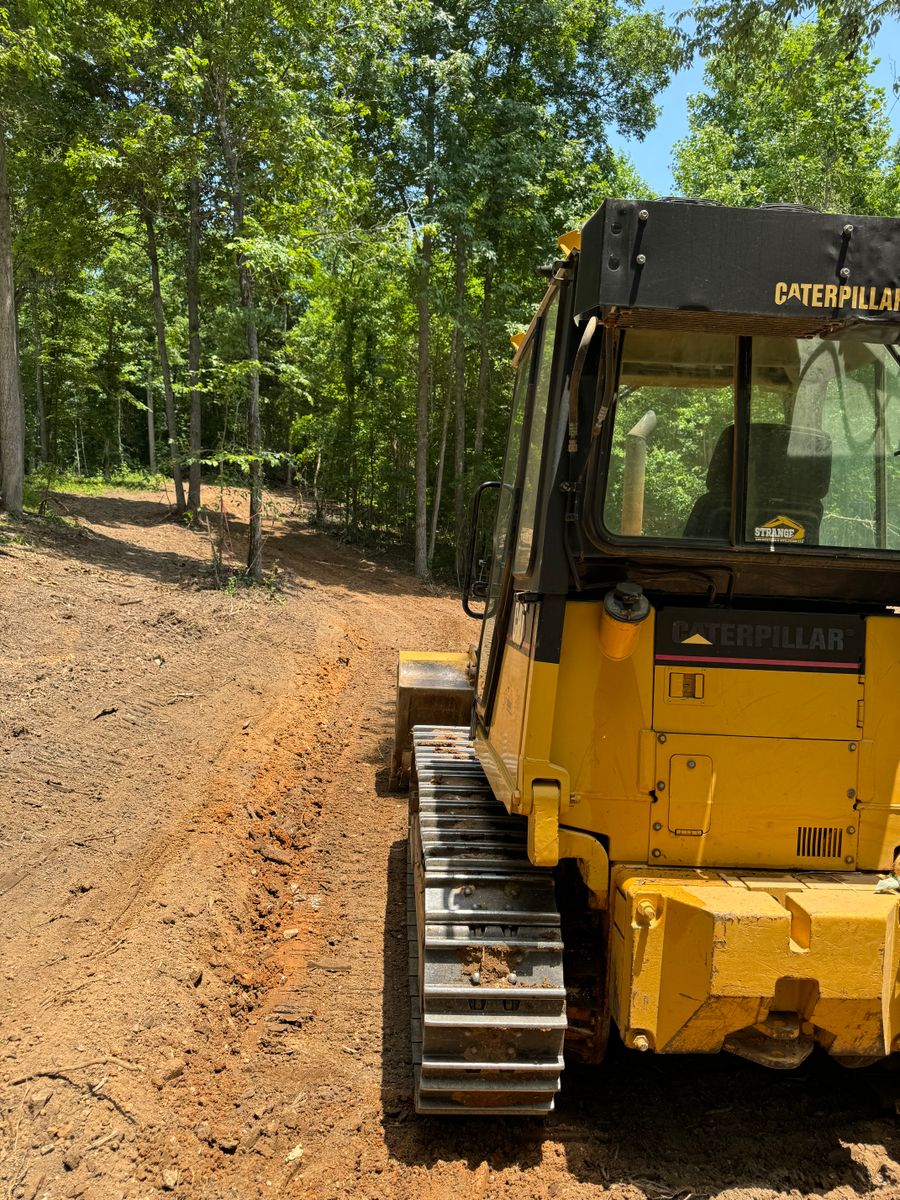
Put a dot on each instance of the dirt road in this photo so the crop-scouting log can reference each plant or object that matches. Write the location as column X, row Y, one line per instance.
column 202, row 933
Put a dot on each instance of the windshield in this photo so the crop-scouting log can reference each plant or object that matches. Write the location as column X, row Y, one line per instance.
column 822, row 445
column 675, row 401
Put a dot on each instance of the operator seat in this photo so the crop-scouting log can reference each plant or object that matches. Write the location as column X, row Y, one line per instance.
column 711, row 515
column 788, row 475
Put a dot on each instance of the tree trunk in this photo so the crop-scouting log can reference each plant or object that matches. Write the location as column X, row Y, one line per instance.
column 289, row 464
column 245, row 280
column 112, row 394
column 458, row 385
column 151, row 424
column 53, row 408
column 484, row 373
column 438, row 483
column 254, row 434
column 423, row 306
column 37, row 342
column 347, row 316
column 424, row 386
column 193, row 308
column 12, row 417
column 163, row 354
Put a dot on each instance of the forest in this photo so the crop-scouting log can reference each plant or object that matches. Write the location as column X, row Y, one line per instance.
column 288, row 244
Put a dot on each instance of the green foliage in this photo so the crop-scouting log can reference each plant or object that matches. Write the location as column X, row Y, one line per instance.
column 807, row 127
column 353, row 131
column 44, row 479
column 241, row 581
column 845, row 28
column 357, row 135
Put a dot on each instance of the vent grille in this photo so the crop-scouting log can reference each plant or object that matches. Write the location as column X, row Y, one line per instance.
column 819, row 841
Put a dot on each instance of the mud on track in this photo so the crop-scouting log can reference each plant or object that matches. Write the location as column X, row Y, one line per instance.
column 202, row 932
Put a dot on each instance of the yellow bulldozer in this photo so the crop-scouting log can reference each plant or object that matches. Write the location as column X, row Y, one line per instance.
column 664, row 792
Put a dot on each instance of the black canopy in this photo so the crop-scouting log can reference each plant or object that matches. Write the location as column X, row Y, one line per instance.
column 770, row 269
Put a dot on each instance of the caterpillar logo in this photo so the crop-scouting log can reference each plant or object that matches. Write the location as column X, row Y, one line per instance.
column 780, row 529
column 832, row 295
column 759, row 640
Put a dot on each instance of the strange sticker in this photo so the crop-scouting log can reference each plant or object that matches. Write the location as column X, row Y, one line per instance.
column 780, row 529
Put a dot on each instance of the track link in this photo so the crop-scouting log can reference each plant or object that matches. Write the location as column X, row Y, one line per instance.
column 485, row 948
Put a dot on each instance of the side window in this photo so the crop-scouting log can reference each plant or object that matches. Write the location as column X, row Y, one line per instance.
column 891, row 464
column 535, row 448
column 504, row 512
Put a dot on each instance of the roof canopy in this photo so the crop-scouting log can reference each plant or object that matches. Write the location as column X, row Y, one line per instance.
column 775, row 269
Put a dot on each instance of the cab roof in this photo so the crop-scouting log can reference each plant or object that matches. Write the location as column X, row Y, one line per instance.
column 777, row 269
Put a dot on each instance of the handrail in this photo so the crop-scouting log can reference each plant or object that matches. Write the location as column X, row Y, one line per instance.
column 470, row 552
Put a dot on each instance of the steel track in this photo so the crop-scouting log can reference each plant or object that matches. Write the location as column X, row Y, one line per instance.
column 485, row 950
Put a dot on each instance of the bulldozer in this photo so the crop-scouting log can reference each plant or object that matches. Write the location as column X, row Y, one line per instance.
column 663, row 793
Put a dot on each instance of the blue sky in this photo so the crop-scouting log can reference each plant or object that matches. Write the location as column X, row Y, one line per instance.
column 653, row 156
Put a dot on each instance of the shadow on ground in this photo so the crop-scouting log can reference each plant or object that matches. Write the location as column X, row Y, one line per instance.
column 115, row 554
column 302, row 555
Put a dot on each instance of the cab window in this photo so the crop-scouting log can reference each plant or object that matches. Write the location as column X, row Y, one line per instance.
column 535, row 447
column 504, row 515
column 671, row 452
column 823, row 440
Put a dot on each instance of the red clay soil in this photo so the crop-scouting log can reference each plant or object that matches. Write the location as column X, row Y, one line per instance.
column 202, row 934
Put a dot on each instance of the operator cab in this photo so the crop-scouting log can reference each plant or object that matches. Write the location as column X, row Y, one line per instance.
column 702, row 407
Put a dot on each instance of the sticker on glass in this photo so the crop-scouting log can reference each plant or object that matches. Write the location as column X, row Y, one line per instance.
column 780, row 529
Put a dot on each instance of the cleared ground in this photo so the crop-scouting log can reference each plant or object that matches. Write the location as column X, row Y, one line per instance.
column 202, row 927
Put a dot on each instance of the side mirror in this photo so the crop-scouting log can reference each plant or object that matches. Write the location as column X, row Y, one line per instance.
column 478, row 566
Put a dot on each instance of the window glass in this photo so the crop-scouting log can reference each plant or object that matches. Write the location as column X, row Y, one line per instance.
column 504, row 512
column 670, row 469
column 824, row 429
column 531, row 482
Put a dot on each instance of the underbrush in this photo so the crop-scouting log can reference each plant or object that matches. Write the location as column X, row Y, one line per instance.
column 9, row 536
column 237, row 580
column 49, row 479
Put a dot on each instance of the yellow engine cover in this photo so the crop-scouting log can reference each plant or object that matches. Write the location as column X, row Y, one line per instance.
column 697, row 956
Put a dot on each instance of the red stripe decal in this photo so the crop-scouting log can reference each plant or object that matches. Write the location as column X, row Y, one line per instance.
column 766, row 662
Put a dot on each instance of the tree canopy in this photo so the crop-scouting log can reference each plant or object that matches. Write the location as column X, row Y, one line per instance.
column 847, row 26
column 809, row 129
column 291, row 243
